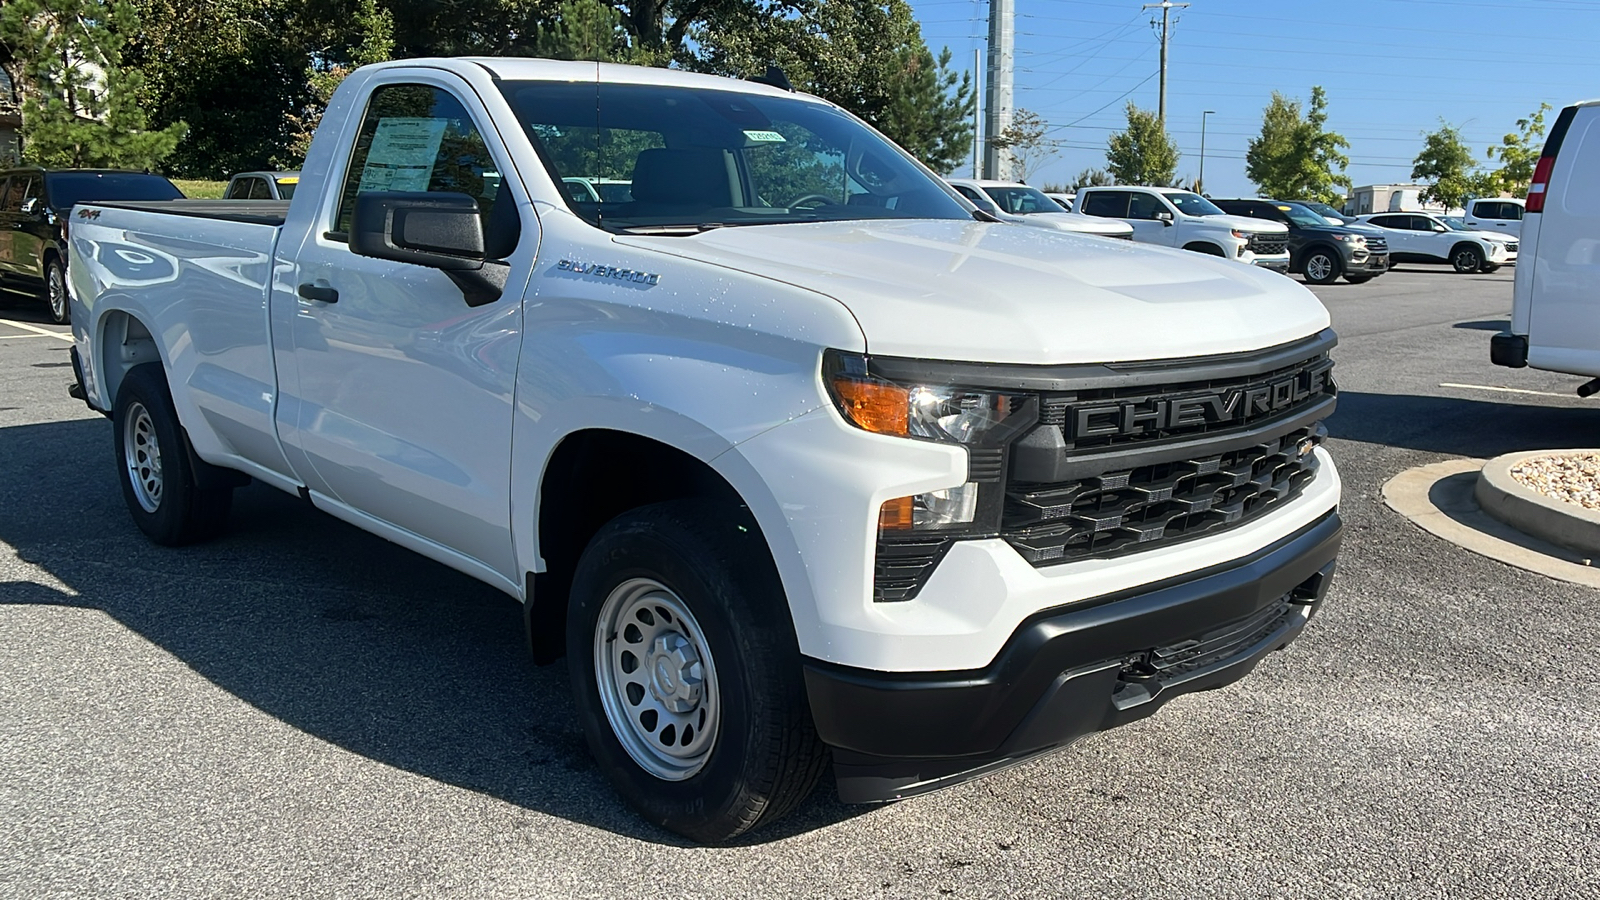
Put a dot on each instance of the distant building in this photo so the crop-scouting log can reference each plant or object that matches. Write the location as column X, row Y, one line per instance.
column 1377, row 198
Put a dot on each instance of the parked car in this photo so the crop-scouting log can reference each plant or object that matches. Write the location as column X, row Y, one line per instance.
column 1416, row 237
column 1014, row 202
column 1333, row 215
column 1512, row 243
column 1553, row 323
column 1062, row 200
column 1318, row 250
column 1172, row 217
column 262, row 186
column 34, row 207
column 802, row 463
column 1497, row 215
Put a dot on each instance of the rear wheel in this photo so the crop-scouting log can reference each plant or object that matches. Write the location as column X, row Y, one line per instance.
column 686, row 672
column 1322, row 267
column 154, row 459
column 55, row 292
column 1466, row 259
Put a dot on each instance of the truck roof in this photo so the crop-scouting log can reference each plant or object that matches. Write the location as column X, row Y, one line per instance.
column 531, row 69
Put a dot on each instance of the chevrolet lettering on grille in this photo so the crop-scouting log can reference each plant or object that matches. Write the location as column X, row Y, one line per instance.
column 1236, row 405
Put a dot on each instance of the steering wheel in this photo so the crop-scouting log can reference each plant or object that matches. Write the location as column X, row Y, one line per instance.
column 820, row 199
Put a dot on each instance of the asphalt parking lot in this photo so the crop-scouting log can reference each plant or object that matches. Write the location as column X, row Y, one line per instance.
column 299, row 709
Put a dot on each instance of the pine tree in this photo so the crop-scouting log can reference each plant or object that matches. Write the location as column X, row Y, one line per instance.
column 82, row 108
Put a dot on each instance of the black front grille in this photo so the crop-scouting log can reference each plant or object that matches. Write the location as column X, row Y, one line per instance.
column 1136, row 509
column 903, row 564
column 1268, row 244
column 1377, row 245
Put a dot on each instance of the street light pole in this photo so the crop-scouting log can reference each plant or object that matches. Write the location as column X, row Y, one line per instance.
column 1202, row 181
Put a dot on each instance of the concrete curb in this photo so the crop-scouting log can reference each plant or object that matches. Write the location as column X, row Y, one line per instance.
column 1527, row 510
column 1438, row 498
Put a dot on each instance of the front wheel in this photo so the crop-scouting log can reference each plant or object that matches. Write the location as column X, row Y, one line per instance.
column 55, row 292
column 1466, row 259
column 686, row 672
column 1489, row 267
column 154, row 459
column 1322, row 267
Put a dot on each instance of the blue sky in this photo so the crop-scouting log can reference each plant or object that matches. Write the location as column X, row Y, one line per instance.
column 1391, row 68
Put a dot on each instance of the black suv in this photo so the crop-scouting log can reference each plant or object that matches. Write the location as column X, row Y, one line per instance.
column 34, row 205
column 1318, row 249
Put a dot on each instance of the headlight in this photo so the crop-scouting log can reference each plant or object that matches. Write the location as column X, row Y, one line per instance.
column 1351, row 238
column 1242, row 235
column 983, row 421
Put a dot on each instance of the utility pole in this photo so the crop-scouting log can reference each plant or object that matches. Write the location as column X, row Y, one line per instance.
column 1201, row 185
column 977, row 126
column 1166, row 7
column 998, row 92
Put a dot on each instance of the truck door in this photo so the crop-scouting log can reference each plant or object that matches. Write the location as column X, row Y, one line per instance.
column 1142, row 211
column 400, row 400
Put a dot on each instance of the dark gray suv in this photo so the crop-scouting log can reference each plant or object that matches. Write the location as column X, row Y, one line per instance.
column 1318, row 249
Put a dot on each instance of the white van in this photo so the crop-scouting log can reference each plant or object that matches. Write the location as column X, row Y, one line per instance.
column 1554, row 320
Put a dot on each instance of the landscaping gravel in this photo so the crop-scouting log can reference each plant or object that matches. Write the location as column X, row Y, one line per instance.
column 1568, row 477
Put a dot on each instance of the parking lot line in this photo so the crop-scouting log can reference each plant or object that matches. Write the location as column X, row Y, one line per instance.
column 37, row 331
column 1507, row 390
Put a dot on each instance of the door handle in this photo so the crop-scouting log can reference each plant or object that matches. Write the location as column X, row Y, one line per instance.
column 310, row 291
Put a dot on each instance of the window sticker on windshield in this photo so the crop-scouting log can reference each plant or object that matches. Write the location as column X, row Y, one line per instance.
column 403, row 152
column 766, row 137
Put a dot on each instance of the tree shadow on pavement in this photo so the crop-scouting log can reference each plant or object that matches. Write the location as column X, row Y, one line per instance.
column 334, row 631
column 1478, row 428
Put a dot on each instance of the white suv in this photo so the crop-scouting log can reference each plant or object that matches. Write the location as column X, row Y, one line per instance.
column 1179, row 218
column 1014, row 202
column 1419, row 237
column 1498, row 215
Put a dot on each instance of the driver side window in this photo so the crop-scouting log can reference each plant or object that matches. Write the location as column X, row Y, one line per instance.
column 789, row 165
column 1146, row 206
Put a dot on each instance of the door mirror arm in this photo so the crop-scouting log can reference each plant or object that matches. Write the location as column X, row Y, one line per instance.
column 483, row 285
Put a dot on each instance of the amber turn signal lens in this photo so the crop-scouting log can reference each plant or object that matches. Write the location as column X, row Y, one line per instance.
column 895, row 515
column 874, row 405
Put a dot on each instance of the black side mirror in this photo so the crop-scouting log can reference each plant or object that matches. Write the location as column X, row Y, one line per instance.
column 438, row 230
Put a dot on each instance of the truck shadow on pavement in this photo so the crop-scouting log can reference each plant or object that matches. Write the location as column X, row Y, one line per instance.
column 1478, row 428
column 340, row 634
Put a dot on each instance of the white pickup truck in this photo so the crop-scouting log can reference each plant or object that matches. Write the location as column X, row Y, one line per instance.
column 794, row 457
column 1172, row 217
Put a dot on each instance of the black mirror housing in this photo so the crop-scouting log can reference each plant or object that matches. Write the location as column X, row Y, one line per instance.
column 437, row 230
column 442, row 231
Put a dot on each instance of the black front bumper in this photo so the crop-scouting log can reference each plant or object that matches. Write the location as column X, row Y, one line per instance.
column 1375, row 264
column 1068, row 673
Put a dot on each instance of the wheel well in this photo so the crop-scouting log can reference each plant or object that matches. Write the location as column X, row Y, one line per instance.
column 1203, row 247
column 1459, row 244
column 593, row 477
column 125, row 342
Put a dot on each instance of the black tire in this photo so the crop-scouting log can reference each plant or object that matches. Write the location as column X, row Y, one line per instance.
column 1358, row 279
column 55, row 292
column 1324, row 263
column 177, row 511
column 764, row 757
column 1466, row 258
column 1489, row 267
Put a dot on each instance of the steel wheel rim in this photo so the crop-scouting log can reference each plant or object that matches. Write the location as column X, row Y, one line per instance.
column 1319, row 267
column 142, row 454
column 657, row 681
column 58, row 292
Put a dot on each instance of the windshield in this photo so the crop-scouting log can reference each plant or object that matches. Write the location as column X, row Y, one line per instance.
column 1455, row 223
column 286, row 186
column 1302, row 216
column 641, row 157
column 1326, row 211
column 1022, row 200
column 69, row 188
column 1193, row 204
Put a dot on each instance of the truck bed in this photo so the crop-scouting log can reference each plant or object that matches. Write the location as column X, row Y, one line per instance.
column 253, row 212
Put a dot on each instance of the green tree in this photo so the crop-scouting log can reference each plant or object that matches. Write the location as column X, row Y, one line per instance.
column 866, row 56
column 1446, row 162
column 1091, row 178
column 1142, row 153
column 1296, row 157
column 1025, row 140
column 373, row 30
column 82, row 107
column 1519, row 153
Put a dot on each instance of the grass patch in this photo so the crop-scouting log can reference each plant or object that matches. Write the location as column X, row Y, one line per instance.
column 200, row 190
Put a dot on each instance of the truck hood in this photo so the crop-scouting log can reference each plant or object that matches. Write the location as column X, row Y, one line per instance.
column 993, row 292
column 1245, row 223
